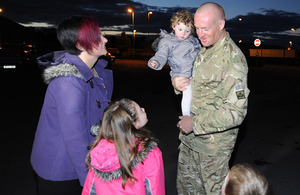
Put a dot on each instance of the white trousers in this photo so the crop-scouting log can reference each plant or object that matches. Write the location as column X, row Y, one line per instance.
column 186, row 101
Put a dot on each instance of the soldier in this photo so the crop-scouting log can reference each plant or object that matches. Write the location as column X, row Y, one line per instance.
column 219, row 106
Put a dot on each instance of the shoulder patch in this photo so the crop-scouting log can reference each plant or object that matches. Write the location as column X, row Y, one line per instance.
column 239, row 87
column 240, row 94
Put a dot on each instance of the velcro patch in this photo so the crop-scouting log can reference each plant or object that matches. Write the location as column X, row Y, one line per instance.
column 239, row 87
column 240, row 94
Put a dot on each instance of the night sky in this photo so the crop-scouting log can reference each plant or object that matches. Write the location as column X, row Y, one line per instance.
column 271, row 21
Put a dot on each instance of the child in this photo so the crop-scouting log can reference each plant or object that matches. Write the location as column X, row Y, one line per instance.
column 244, row 179
column 124, row 158
column 179, row 49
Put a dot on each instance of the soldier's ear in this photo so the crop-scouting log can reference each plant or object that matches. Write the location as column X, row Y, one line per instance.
column 221, row 24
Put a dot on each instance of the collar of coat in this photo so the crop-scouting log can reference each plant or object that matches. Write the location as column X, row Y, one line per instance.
column 61, row 70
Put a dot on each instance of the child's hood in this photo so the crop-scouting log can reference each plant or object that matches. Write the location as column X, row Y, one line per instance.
column 105, row 161
column 104, row 157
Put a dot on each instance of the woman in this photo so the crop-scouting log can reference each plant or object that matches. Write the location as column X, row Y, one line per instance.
column 79, row 90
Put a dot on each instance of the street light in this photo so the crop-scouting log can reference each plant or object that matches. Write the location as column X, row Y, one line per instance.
column 133, row 31
column 292, row 29
column 149, row 13
column 132, row 12
column 1, row 10
column 239, row 29
column 134, row 37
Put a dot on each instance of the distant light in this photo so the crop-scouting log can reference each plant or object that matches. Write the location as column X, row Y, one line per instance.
column 240, row 19
column 1, row 10
column 292, row 29
column 9, row 66
column 130, row 10
column 37, row 24
column 240, row 41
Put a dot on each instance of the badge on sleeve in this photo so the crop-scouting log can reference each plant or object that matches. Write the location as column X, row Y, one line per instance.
column 240, row 93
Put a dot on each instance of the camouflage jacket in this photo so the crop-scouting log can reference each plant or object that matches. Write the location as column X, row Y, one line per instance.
column 220, row 92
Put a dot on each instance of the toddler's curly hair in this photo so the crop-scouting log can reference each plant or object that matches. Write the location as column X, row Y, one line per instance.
column 185, row 17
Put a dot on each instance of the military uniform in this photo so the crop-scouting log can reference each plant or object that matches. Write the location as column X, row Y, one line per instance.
column 219, row 106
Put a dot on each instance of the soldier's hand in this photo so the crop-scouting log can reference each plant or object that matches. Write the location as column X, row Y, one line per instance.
column 185, row 124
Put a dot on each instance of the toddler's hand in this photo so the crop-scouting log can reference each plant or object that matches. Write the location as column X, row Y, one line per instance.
column 153, row 64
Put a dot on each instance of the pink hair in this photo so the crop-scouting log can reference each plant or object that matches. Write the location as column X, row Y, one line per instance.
column 89, row 35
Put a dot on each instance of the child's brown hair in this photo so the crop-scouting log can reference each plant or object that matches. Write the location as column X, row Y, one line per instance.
column 183, row 16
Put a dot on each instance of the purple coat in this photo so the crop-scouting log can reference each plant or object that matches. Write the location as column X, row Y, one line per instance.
column 73, row 103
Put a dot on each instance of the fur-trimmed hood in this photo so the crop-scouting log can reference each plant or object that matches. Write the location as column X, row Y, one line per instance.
column 61, row 70
column 55, row 65
column 61, row 63
column 105, row 161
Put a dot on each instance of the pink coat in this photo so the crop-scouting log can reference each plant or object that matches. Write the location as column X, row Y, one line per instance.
column 105, row 176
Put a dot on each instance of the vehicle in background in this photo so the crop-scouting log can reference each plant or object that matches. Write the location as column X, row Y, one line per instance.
column 109, row 58
column 17, row 56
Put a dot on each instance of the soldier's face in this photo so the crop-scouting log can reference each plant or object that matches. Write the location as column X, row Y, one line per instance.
column 208, row 28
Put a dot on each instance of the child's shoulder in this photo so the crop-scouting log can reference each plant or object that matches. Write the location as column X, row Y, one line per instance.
column 155, row 155
column 192, row 38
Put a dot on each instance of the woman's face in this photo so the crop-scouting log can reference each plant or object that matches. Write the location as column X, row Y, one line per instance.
column 101, row 49
column 141, row 116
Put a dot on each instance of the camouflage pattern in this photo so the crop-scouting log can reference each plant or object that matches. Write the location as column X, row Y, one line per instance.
column 219, row 106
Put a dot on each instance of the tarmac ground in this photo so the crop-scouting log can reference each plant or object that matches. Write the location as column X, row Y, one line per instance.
column 269, row 138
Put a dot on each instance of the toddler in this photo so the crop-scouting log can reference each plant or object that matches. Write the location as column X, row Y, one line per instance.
column 179, row 49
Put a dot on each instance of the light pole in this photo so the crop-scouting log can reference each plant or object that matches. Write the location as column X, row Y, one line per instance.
column 239, row 29
column 1, row 10
column 292, row 29
column 133, row 31
column 149, row 13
